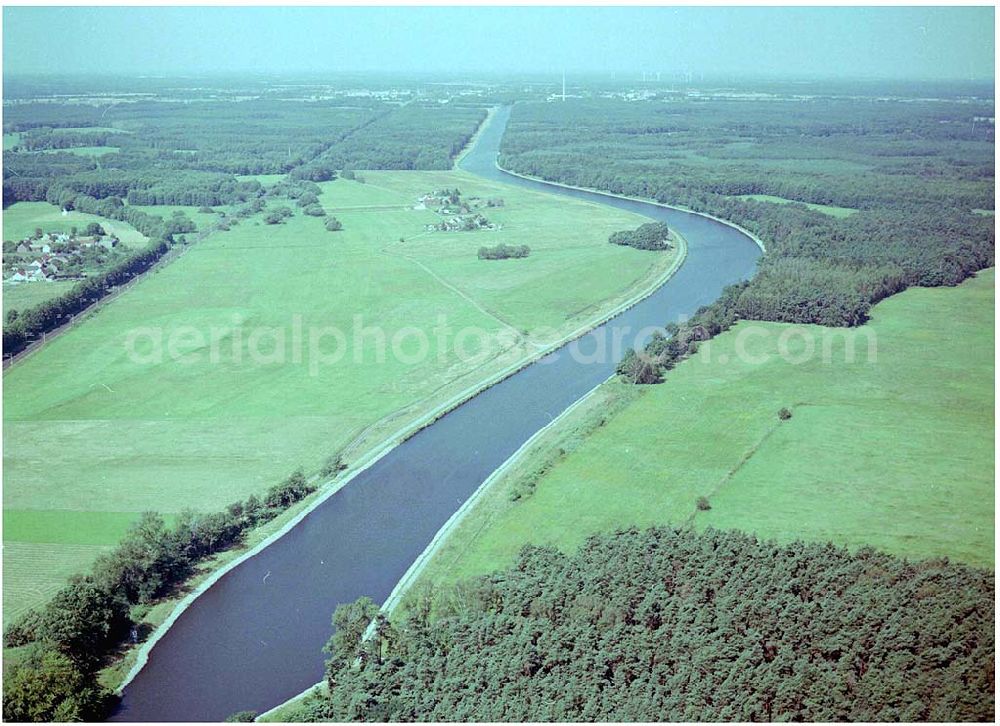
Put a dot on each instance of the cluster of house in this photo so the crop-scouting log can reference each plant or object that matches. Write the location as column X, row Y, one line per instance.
column 462, row 223
column 441, row 202
column 460, row 214
column 52, row 255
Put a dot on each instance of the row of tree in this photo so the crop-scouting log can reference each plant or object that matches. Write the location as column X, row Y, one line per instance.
column 675, row 625
column 31, row 324
column 72, row 636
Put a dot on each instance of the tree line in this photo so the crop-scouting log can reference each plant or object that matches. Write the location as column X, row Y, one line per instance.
column 69, row 639
column 32, row 323
column 675, row 625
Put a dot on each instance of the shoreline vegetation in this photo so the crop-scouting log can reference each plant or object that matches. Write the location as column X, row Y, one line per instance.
column 209, row 575
column 324, row 492
column 440, row 537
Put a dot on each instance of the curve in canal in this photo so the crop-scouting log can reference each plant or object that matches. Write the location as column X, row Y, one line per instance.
column 249, row 644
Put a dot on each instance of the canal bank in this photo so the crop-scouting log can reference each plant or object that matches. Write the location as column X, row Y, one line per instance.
column 254, row 638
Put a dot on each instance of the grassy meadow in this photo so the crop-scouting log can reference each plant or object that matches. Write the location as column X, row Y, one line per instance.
column 93, row 436
column 895, row 452
column 833, row 211
column 24, row 296
column 83, row 150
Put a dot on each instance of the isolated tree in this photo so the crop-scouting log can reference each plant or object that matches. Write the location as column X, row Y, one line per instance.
column 94, row 230
column 333, row 225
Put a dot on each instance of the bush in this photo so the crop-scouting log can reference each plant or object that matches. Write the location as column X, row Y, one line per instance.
column 289, row 491
column 242, row 717
column 333, row 465
column 784, row 414
column 650, row 236
column 638, row 369
column 504, row 252
column 703, row 504
column 333, row 225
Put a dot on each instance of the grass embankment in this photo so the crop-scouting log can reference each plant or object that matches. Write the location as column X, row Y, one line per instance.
column 90, row 432
column 895, row 452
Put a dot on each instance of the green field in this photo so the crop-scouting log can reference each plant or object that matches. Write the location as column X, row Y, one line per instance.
column 91, row 432
column 27, row 295
column 21, row 219
column 11, row 140
column 839, row 212
column 895, row 452
column 265, row 179
column 84, row 150
column 202, row 219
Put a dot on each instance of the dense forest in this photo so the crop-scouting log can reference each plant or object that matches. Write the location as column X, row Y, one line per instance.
column 411, row 137
column 669, row 625
column 235, row 137
column 901, row 182
column 189, row 153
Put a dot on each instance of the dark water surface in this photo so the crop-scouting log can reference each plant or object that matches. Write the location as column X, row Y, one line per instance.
column 248, row 643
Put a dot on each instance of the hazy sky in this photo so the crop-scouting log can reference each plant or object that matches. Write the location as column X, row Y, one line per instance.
column 841, row 42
